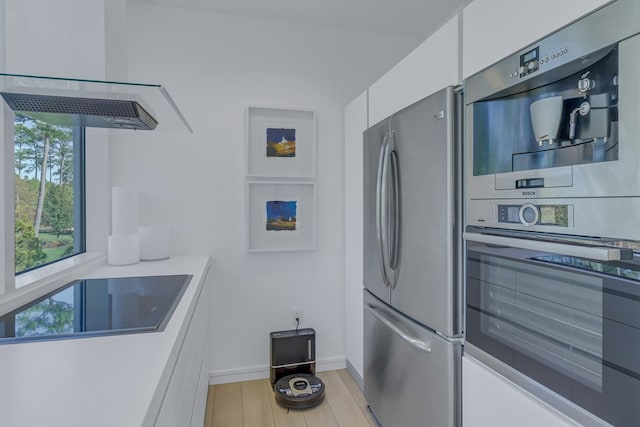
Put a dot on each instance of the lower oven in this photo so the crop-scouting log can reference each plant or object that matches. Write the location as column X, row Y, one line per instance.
column 560, row 319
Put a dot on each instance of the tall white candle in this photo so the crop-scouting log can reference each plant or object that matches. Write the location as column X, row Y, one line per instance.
column 124, row 211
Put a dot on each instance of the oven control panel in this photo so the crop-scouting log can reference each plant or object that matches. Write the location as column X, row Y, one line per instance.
column 529, row 62
column 534, row 59
column 530, row 214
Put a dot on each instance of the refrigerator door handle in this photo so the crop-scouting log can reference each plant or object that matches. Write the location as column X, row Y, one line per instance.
column 419, row 344
column 381, row 215
column 395, row 238
column 388, row 212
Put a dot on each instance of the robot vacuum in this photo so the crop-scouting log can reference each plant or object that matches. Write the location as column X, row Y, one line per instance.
column 299, row 391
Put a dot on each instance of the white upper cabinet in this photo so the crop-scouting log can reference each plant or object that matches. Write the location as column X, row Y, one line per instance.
column 430, row 67
column 493, row 29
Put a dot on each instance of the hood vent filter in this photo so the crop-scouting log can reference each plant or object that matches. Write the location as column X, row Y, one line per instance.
column 86, row 112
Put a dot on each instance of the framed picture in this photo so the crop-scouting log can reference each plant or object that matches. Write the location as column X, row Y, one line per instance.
column 281, row 216
column 281, row 143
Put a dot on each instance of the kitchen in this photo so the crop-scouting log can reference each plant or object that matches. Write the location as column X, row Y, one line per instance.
column 190, row 52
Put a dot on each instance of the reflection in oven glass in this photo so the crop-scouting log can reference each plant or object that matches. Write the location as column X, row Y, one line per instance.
column 556, row 321
column 591, row 265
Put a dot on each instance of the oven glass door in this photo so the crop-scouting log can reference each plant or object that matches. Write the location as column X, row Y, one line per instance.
column 570, row 323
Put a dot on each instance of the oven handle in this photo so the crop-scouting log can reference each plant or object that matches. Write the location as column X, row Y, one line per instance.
column 594, row 252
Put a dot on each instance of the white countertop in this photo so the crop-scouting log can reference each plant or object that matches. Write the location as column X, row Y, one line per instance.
column 110, row 381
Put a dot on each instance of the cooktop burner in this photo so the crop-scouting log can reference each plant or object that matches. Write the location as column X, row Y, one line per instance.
column 93, row 307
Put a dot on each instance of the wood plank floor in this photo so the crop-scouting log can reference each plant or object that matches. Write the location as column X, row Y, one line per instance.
column 252, row 404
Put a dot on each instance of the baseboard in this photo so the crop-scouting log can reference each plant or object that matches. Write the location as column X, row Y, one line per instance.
column 260, row 372
column 355, row 375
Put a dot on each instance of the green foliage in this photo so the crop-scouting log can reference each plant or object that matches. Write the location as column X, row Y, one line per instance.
column 55, row 214
column 25, row 198
column 49, row 315
column 30, row 137
column 57, row 252
column 29, row 251
column 58, row 208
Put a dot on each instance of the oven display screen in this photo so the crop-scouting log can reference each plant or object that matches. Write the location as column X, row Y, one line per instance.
column 557, row 215
column 529, row 56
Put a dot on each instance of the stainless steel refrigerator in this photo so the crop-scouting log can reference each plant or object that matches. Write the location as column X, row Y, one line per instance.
column 412, row 277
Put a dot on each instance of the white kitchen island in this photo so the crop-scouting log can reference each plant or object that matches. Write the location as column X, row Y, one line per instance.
column 140, row 379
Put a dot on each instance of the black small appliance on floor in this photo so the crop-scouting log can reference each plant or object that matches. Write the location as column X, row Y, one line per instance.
column 293, row 368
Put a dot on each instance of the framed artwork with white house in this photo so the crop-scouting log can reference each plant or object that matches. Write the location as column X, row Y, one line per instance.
column 280, row 143
column 280, row 216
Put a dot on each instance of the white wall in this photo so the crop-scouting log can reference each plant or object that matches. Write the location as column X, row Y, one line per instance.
column 98, row 178
column 215, row 66
column 63, row 38
column 494, row 29
column 355, row 122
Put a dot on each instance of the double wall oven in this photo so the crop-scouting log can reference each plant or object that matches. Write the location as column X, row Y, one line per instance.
column 552, row 211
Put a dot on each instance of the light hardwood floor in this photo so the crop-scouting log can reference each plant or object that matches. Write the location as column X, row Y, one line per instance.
column 252, row 403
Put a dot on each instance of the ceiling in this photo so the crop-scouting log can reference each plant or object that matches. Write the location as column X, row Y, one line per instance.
column 415, row 18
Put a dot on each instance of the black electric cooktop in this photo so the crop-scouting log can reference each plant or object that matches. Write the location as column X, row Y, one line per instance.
column 94, row 307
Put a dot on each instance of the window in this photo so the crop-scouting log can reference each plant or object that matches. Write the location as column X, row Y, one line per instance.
column 48, row 193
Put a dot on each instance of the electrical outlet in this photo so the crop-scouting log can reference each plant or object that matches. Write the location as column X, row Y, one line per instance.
column 296, row 313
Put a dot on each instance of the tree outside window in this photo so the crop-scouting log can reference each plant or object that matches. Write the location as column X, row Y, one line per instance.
column 44, row 197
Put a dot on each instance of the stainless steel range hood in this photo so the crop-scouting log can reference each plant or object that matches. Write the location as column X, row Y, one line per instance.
column 93, row 103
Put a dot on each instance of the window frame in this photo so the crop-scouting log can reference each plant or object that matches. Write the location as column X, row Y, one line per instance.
column 79, row 189
column 16, row 289
column 79, row 201
column 7, row 185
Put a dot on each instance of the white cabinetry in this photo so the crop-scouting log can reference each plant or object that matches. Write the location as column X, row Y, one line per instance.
column 185, row 398
column 430, row 67
column 355, row 122
column 493, row 29
column 490, row 400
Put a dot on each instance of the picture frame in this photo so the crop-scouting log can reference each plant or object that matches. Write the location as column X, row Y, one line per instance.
column 281, row 216
column 280, row 143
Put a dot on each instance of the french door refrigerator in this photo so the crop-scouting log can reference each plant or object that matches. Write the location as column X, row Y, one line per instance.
column 412, row 277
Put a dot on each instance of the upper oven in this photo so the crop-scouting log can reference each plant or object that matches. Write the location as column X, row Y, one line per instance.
column 558, row 121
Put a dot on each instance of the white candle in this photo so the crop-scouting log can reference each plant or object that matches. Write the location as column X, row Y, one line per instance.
column 155, row 242
column 123, row 249
column 124, row 211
